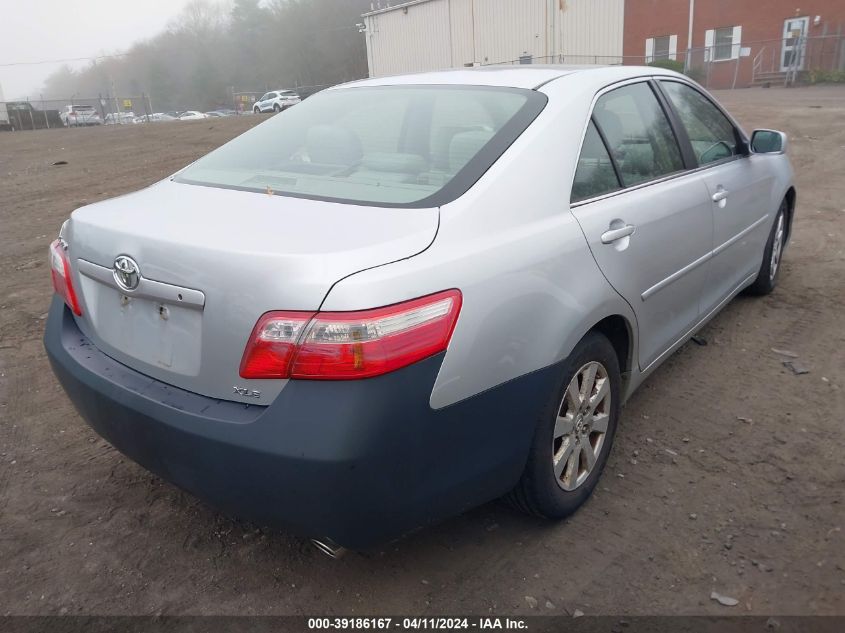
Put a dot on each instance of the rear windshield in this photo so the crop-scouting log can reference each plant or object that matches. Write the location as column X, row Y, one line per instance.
column 83, row 108
column 403, row 146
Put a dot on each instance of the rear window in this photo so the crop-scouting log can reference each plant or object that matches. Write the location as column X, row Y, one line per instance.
column 82, row 108
column 402, row 146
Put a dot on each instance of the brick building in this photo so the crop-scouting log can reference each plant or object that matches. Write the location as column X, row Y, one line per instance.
column 726, row 43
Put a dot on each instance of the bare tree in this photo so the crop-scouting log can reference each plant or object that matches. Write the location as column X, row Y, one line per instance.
column 209, row 48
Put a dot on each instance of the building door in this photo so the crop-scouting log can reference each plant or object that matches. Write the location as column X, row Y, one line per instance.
column 794, row 43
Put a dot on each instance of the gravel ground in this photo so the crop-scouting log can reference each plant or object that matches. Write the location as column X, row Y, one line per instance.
column 727, row 474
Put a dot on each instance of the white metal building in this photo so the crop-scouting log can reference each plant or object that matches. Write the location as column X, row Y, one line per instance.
column 420, row 35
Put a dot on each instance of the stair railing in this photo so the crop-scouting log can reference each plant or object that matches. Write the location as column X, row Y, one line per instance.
column 757, row 65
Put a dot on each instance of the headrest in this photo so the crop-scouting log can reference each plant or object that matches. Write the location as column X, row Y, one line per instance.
column 465, row 145
column 333, row 145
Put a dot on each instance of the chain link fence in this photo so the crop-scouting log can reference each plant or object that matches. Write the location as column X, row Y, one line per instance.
column 36, row 114
column 111, row 109
column 784, row 61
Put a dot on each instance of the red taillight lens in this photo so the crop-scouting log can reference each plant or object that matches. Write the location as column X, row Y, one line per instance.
column 272, row 344
column 60, row 272
column 349, row 345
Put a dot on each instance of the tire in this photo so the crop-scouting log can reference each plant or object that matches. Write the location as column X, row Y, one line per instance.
column 256, row 110
column 540, row 490
column 277, row 107
column 767, row 276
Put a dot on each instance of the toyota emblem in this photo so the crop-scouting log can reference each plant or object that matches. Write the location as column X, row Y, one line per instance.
column 126, row 272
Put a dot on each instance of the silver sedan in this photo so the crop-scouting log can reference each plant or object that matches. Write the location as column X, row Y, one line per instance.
column 410, row 295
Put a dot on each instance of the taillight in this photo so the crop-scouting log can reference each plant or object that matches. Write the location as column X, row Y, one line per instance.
column 272, row 344
column 60, row 272
column 349, row 345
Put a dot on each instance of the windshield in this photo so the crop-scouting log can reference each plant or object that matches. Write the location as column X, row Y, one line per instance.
column 409, row 146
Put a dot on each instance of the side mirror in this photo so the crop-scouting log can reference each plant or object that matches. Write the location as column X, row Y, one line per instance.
column 768, row 142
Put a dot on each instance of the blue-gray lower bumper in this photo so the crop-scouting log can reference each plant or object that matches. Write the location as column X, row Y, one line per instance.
column 359, row 462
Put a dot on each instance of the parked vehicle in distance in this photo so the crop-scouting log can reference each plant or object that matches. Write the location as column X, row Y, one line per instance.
column 430, row 291
column 276, row 101
column 191, row 115
column 156, row 117
column 222, row 112
column 78, row 115
column 119, row 118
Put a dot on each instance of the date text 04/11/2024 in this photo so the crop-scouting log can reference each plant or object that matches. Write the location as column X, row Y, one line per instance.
column 419, row 623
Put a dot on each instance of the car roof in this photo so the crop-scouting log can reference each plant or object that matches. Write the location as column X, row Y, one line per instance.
column 529, row 76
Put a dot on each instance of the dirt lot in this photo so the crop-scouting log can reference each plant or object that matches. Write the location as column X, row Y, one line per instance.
column 728, row 473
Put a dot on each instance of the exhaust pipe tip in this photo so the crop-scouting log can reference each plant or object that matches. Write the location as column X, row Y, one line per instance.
column 328, row 547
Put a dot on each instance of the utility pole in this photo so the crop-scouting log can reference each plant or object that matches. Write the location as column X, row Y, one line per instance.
column 689, row 36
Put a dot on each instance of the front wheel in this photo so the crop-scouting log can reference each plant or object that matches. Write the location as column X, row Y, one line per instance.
column 767, row 276
column 256, row 110
column 573, row 438
column 277, row 107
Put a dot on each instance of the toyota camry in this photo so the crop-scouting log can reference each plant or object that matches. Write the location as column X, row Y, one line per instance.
column 408, row 296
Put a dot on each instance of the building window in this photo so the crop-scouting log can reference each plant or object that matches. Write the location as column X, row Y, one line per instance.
column 663, row 47
column 724, row 43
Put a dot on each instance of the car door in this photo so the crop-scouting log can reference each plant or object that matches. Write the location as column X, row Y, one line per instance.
column 646, row 217
column 737, row 185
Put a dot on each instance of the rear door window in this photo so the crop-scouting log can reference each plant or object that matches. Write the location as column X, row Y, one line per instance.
column 638, row 134
column 712, row 135
column 595, row 174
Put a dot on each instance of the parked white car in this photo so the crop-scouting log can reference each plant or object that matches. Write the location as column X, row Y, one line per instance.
column 116, row 118
column 192, row 115
column 76, row 115
column 276, row 101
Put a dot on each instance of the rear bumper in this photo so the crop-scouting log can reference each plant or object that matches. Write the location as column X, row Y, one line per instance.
column 359, row 462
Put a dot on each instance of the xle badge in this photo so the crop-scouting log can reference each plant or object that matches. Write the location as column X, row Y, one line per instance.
column 248, row 393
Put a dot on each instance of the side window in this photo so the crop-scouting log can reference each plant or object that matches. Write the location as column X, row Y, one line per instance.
column 712, row 135
column 594, row 174
column 638, row 134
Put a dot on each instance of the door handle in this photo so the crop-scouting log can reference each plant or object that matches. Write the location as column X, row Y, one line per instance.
column 721, row 194
column 608, row 237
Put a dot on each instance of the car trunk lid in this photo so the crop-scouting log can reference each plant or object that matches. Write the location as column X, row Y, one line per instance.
column 211, row 261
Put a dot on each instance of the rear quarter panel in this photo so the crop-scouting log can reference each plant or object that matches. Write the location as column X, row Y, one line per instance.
column 531, row 288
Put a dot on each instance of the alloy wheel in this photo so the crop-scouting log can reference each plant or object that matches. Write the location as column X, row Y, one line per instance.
column 581, row 425
column 777, row 248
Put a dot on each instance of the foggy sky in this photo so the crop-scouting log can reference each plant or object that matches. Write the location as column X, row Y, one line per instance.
column 60, row 29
